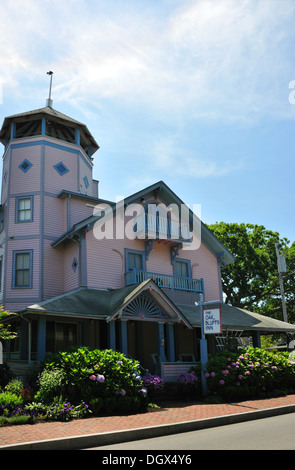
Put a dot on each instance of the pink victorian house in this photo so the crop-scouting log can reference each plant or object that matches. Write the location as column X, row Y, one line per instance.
column 76, row 276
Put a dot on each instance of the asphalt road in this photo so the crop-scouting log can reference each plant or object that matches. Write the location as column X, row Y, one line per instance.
column 274, row 433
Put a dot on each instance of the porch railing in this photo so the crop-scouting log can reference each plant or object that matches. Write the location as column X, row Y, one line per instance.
column 135, row 276
column 171, row 370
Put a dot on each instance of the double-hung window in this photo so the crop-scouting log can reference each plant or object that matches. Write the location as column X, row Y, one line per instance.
column 183, row 273
column 134, row 266
column 135, row 260
column 24, row 209
column 182, row 268
column 22, row 269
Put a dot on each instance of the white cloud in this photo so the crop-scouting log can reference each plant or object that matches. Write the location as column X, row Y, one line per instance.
column 207, row 59
column 171, row 157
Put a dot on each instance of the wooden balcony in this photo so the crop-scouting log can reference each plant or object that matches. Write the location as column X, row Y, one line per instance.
column 167, row 281
column 161, row 228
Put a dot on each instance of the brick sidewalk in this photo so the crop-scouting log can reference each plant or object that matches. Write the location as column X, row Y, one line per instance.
column 172, row 412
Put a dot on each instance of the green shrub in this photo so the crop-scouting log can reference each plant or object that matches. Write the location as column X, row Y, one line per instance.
column 14, row 386
column 9, row 400
column 57, row 411
column 249, row 373
column 4, row 421
column 95, row 373
column 52, row 383
column 95, row 405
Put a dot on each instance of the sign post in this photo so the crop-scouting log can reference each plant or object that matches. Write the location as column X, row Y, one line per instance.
column 210, row 324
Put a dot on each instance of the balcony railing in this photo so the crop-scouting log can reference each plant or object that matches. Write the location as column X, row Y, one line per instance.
column 167, row 281
column 149, row 225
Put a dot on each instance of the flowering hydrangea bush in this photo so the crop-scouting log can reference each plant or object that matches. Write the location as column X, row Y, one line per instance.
column 75, row 384
column 252, row 372
column 153, row 383
column 90, row 374
column 188, row 385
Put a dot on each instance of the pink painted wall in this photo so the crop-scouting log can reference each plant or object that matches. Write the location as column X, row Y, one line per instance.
column 55, row 219
column 53, row 270
column 106, row 263
column 71, row 277
column 21, row 182
column 79, row 210
column 54, row 183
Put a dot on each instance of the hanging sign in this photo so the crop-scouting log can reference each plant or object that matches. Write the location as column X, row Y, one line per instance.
column 212, row 321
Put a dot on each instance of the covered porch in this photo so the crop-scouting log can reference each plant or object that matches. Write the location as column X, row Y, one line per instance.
column 139, row 320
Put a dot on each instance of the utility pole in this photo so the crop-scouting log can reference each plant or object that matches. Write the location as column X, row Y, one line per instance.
column 282, row 268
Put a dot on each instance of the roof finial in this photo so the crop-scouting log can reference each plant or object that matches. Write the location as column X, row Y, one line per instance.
column 49, row 101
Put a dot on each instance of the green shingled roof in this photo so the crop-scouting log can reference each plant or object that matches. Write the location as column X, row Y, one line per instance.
column 234, row 318
column 107, row 304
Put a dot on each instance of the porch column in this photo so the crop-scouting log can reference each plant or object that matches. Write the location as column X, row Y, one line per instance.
column 170, row 342
column 124, row 339
column 86, row 332
column 41, row 338
column 112, row 335
column 23, row 339
column 161, row 342
column 256, row 339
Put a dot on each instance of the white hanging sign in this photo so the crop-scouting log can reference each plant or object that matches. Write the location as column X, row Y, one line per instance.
column 212, row 321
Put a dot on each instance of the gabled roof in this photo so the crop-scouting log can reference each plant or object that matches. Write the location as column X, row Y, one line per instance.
column 107, row 304
column 168, row 197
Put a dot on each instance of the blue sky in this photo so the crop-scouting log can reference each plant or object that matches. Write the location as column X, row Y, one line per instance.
column 191, row 92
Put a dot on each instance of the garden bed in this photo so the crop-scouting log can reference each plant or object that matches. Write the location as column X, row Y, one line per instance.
column 84, row 383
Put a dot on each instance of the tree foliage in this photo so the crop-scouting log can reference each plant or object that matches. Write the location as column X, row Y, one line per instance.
column 252, row 282
column 5, row 328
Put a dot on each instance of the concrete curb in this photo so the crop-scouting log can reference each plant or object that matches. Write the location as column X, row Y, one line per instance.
column 115, row 437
